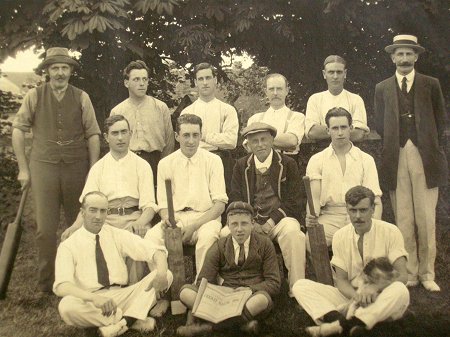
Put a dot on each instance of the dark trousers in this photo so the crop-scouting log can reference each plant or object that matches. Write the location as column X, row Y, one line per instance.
column 54, row 185
column 153, row 159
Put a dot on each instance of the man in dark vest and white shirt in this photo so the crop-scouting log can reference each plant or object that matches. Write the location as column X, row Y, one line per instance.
column 410, row 116
column 65, row 145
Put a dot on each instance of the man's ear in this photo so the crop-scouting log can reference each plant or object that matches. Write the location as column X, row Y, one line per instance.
column 126, row 83
column 345, row 73
column 105, row 135
column 324, row 74
column 177, row 137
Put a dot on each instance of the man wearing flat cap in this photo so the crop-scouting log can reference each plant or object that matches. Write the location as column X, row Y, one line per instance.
column 334, row 72
column 410, row 116
column 244, row 260
column 270, row 182
column 65, row 144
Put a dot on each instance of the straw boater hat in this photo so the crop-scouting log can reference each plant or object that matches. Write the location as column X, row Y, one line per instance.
column 405, row 41
column 57, row 55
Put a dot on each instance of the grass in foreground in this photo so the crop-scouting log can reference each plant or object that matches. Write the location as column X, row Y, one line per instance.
column 24, row 314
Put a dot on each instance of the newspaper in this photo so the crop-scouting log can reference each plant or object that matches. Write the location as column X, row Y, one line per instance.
column 217, row 303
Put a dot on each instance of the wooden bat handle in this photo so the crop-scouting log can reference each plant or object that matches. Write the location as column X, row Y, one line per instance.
column 170, row 203
column 307, row 183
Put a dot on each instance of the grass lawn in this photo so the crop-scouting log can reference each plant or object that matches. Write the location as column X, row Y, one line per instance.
column 24, row 314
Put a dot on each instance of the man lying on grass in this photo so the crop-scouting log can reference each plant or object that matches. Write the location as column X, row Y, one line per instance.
column 92, row 277
column 244, row 260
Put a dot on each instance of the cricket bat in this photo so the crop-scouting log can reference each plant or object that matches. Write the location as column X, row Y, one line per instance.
column 318, row 244
column 11, row 246
column 175, row 260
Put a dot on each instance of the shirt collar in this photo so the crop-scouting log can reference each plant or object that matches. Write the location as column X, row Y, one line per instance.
column 91, row 236
column 246, row 243
column 121, row 160
column 60, row 91
column 351, row 152
column 266, row 163
column 366, row 233
column 409, row 77
column 193, row 159
column 282, row 109
column 200, row 101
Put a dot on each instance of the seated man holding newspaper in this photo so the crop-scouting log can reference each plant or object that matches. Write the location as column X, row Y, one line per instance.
column 248, row 265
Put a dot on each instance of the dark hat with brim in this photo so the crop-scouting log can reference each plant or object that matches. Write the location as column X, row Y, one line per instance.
column 57, row 55
column 405, row 41
column 240, row 207
column 259, row 127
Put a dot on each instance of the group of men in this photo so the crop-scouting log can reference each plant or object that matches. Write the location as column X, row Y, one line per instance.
column 101, row 263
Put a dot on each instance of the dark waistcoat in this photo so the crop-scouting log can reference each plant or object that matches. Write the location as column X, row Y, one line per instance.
column 407, row 119
column 58, row 133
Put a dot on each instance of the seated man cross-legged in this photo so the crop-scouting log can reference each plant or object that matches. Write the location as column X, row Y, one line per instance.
column 354, row 247
column 243, row 259
column 92, row 277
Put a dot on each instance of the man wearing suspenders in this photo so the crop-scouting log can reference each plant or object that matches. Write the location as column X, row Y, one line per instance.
column 289, row 124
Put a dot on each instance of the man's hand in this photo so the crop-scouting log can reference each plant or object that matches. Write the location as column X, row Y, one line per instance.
column 139, row 228
column 242, row 288
column 257, row 228
column 107, row 305
column 24, row 178
column 187, row 232
column 267, row 227
column 311, row 221
column 366, row 294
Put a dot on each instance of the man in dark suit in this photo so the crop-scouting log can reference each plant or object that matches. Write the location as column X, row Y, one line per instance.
column 410, row 116
column 243, row 259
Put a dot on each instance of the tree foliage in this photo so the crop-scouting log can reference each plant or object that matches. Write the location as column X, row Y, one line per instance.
column 291, row 37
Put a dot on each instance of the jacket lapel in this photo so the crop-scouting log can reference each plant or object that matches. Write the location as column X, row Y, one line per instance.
column 419, row 97
column 391, row 95
column 229, row 251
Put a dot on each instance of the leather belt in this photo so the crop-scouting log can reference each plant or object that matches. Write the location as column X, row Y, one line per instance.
column 122, row 210
column 187, row 209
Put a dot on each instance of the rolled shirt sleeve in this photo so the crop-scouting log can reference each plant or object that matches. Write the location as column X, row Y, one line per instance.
column 227, row 138
column 90, row 124
column 25, row 116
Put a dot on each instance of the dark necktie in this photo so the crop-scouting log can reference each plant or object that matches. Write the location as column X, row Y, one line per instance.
column 361, row 246
column 102, row 268
column 404, row 86
column 241, row 258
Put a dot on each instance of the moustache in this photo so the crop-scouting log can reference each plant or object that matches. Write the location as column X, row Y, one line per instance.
column 405, row 64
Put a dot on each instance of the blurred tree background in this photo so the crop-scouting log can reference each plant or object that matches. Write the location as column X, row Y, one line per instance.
column 291, row 37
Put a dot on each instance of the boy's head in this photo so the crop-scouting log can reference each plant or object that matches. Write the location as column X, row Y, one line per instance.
column 240, row 220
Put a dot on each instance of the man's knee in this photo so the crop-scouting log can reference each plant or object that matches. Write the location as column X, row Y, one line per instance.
column 302, row 286
column 209, row 233
column 67, row 308
column 188, row 293
column 258, row 303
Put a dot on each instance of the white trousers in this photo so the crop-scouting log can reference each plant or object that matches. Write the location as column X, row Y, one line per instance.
column 319, row 299
column 414, row 206
column 292, row 245
column 332, row 218
column 203, row 238
column 133, row 301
